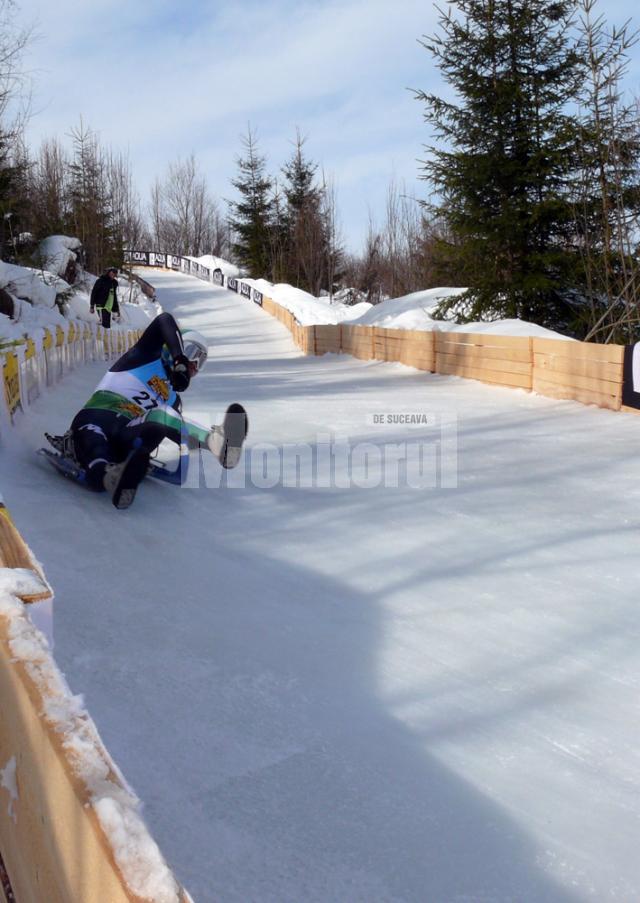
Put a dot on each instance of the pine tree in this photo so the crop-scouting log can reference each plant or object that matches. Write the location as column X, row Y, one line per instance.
column 506, row 151
column 304, row 228
column 22, row 222
column 251, row 216
column 91, row 209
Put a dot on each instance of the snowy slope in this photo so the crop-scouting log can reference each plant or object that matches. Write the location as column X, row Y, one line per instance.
column 352, row 694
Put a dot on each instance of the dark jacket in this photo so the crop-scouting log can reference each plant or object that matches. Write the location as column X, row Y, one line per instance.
column 100, row 292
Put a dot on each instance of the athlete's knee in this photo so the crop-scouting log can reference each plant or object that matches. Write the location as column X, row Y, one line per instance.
column 91, row 443
column 147, row 436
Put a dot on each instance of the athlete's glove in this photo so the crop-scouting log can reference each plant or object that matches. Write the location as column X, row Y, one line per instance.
column 179, row 374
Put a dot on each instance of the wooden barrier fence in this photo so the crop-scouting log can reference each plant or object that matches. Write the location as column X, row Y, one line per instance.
column 581, row 371
column 14, row 553
column 558, row 368
column 501, row 360
column 406, row 346
column 327, row 339
column 53, row 844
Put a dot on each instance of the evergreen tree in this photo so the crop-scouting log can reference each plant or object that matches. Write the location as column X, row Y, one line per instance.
column 251, row 216
column 90, row 203
column 304, row 228
column 278, row 235
column 21, row 222
column 508, row 150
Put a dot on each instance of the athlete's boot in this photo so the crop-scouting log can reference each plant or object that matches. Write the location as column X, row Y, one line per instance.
column 122, row 480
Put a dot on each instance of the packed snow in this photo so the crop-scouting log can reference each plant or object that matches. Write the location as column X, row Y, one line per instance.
column 228, row 270
column 306, row 308
column 326, row 688
column 414, row 311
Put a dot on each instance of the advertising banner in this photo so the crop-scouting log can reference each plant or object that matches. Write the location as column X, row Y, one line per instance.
column 141, row 258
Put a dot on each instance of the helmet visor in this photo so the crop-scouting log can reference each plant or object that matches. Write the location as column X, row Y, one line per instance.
column 196, row 354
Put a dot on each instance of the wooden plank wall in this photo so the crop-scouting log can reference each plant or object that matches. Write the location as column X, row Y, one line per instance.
column 500, row 360
column 14, row 553
column 53, row 845
column 580, row 371
column 407, row 346
column 304, row 337
column 327, row 339
column 269, row 306
column 358, row 342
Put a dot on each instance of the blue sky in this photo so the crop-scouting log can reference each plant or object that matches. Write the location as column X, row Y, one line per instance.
column 161, row 82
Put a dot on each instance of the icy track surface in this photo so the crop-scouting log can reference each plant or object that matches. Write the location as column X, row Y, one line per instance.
column 361, row 694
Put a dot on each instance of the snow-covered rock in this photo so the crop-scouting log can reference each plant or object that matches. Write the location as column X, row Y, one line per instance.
column 59, row 254
column 40, row 287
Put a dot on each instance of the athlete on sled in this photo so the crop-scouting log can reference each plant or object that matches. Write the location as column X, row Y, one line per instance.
column 136, row 405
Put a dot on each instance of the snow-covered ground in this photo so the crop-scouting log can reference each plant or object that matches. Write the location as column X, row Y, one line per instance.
column 361, row 694
column 414, row 311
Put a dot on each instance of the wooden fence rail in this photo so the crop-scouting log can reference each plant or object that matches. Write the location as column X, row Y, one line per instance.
column 558, row 368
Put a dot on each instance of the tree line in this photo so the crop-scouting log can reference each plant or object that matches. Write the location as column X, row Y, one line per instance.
column 533, row 176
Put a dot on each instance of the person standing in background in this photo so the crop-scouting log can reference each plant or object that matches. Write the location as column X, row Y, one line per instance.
column 104, row 296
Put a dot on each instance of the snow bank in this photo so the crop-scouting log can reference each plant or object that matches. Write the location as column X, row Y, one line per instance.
column 30, row 321
column 502, row 327
column 229, row 270
column 34, row 295
column 413, row 311
column 117, row 808
column 307, row 309
column 40, row 287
